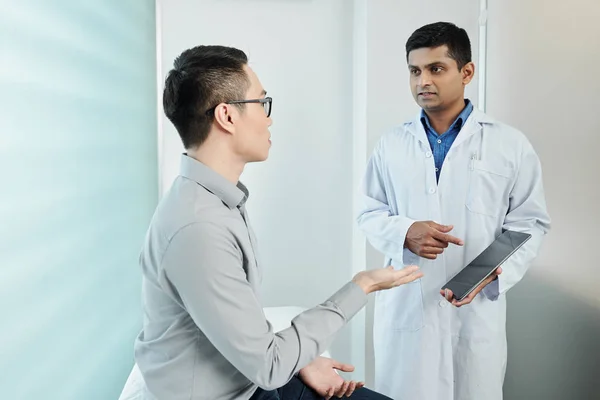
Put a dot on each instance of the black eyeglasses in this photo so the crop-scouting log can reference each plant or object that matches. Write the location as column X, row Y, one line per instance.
column 266, row 102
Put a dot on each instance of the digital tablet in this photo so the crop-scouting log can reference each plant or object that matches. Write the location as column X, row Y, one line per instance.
column 485, row 263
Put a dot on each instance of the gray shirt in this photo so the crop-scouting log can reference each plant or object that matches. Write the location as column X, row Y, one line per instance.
column 204, row 333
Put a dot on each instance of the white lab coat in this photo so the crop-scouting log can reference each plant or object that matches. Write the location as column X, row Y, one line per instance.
column 491, row 179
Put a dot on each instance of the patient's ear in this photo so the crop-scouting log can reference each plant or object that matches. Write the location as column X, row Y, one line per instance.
column 226, row 116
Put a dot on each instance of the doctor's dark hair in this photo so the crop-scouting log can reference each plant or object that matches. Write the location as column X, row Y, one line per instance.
column 203, row 77
column 439, row 34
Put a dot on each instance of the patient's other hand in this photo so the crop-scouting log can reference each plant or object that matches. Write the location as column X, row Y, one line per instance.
column 321, row 376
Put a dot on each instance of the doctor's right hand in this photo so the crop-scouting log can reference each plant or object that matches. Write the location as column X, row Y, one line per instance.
column 428, row 239
column 386, row 278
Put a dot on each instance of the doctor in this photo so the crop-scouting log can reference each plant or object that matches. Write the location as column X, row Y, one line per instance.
column 437, row 191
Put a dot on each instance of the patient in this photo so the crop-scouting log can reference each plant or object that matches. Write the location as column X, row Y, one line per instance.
column 204, row 335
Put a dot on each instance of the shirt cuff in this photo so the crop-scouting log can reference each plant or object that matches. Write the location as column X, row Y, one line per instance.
column 350, row 299
column 492, row 290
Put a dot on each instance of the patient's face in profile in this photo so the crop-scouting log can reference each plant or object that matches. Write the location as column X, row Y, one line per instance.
column 253, row 138
column 436, row 81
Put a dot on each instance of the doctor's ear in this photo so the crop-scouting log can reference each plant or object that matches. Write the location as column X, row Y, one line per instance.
column 468, row 71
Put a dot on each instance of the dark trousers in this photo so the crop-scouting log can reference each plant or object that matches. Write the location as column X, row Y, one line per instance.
column 297, row 390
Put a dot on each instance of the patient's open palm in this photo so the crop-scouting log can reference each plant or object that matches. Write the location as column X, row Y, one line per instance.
column 386, row 278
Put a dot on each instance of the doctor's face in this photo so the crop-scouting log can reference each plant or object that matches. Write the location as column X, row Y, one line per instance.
column 436, row 82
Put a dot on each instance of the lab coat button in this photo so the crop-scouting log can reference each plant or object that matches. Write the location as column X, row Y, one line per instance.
column 443, row 303
column 428, row 154
column 432, row 190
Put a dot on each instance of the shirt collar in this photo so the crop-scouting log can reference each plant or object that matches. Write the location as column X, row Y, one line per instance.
column 230, row 194
column 462, row 117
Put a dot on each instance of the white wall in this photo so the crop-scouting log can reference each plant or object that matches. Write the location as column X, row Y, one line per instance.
column 542, row 59
column 548, row 57
column 301, row 198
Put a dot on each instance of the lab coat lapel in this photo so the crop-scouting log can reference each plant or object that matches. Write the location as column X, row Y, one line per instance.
column 415, row 127
column 474, row 124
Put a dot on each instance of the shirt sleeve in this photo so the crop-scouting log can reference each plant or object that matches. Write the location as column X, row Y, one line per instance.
column 205, row 266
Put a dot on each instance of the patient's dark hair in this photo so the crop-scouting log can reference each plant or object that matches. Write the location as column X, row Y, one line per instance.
column 439, row 34
column 202, row 78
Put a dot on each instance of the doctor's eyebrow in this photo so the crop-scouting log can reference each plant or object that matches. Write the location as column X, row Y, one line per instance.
column 433, row 64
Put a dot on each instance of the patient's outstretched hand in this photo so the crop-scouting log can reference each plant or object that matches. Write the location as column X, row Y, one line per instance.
column 386, row 278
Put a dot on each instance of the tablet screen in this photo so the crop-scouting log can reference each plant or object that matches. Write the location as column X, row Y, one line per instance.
column 485, row 263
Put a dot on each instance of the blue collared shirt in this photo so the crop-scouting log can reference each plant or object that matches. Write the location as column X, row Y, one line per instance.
column 440, row 144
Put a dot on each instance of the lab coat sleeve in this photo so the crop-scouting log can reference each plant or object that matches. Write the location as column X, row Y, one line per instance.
column 385, row 231
column 527, row 213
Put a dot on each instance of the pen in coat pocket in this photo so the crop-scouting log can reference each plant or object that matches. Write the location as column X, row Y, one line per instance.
column 473, row 158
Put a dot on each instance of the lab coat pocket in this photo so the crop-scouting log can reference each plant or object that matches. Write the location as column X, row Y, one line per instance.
column 489, row 188
column 403, row 307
